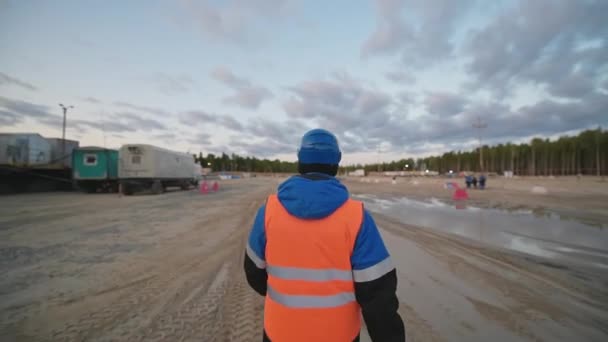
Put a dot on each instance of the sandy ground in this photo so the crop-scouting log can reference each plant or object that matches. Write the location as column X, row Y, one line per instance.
column 77, row 267
column 454, row 289
column 142, row 268
column 584, row 198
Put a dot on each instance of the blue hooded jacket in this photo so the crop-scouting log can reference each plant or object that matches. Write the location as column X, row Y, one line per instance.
column 315, row 196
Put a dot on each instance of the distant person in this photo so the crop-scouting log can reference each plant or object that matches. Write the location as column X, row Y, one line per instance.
column 318, row 257
column 482, row 181
column 468, row 179
column 474, row 181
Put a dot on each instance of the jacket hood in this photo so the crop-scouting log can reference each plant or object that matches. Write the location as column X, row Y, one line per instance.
column 312, row 197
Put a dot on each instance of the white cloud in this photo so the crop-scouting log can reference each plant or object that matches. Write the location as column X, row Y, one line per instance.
column 12, row 81
column 246, row 94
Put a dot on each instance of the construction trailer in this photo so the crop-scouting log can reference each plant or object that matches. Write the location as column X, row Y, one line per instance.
column 24, row 150
column 95, row 169
column 145, row 167
column 32, row 163
column 61, row 151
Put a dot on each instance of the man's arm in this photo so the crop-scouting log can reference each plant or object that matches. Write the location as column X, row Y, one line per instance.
column 376, row 284
column 255, row 260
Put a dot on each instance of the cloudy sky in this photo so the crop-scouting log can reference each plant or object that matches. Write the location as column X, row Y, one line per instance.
column 403, row 77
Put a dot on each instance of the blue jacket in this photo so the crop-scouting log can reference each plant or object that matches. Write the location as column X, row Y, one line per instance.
column 318, row 198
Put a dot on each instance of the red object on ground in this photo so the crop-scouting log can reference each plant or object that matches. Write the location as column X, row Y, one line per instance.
column 204, row 188
column 215, row 187
column 460, row 194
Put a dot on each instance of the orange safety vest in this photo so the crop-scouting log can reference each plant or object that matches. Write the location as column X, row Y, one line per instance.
column 311, row 293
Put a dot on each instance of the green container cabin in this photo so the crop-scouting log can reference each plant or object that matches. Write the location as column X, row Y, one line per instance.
column 95, row 169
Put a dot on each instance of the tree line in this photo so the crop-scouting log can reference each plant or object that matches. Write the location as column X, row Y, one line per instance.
column 236, row 163
column 585, row 153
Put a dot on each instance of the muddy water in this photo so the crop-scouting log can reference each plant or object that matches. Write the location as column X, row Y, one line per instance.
column 542, row 234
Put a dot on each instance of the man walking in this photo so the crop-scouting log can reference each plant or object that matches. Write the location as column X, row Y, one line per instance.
column 318, row 258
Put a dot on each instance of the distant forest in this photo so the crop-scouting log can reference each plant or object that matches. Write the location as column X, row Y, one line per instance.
column 235, row 162
column 586, row 153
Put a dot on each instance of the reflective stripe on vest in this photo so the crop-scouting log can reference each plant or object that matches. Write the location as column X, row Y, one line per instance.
column 302, row 301
column 295, row 273
column 311, row 294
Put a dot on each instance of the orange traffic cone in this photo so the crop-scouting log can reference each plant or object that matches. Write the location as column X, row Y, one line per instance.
column 204, row 188
column 460, row 194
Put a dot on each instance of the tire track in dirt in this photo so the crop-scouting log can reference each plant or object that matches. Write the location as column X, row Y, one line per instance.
column 136, row 271
column 103, row 319
column 133, row 305
column 201, row 315
column 180, row 292
column 243, row 310
column 178, row 289
column 187, row 314
column 200, row 318
column 224, row 312
column 196, row 306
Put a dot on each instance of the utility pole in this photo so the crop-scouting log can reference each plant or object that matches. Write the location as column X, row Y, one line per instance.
column 479, row 125
column 103, row 127
column 65, row 111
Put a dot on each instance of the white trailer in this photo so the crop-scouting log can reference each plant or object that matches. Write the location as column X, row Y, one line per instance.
column 147, row 167
column 357, row 173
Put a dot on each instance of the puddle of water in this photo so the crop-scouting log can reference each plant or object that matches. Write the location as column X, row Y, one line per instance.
column 545, row 235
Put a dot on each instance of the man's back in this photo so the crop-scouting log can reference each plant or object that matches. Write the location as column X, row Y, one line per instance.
column 319, row 259
column 310, row 286
column 318, row 247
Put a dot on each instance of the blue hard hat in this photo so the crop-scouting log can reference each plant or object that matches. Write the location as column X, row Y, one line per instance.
column 319, row 146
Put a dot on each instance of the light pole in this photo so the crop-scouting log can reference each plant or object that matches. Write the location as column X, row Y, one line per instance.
column 65, row 111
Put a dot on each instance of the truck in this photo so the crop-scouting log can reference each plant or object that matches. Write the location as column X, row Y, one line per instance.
column 144, row 167
column 95, row 169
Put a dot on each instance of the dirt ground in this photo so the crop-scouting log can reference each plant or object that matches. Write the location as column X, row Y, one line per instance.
column 584, row 198
column 77, row 267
